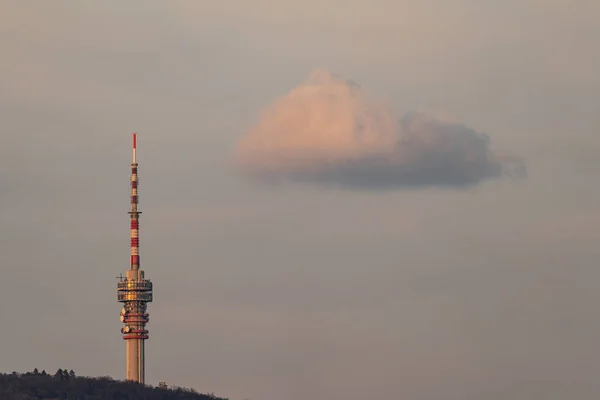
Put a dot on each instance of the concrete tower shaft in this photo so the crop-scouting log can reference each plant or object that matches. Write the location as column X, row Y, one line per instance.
column 134, row 291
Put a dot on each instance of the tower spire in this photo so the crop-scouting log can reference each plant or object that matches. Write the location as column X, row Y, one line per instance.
column 134, row 214
column 134, row 136
column 134, row 291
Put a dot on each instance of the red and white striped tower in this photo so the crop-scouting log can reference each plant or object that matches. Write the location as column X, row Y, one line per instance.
column 134, row 291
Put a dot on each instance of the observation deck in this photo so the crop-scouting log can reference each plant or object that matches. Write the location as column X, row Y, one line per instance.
column 134, row 290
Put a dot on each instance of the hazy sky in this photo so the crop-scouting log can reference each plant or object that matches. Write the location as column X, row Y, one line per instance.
column 300, row 291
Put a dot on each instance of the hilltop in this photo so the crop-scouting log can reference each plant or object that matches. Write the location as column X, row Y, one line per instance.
column 65, row 385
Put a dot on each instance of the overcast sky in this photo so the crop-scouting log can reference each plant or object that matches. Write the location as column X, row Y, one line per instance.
column 301, row 290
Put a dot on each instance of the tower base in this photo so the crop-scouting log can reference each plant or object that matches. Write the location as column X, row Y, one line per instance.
column 135, row 370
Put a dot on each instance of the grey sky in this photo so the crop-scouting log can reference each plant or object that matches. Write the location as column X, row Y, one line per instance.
column 287, row 293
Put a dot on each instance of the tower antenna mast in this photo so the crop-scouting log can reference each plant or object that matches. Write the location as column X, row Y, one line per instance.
column 134, row 291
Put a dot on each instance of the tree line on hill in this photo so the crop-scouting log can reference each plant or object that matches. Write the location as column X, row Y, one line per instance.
column 65, row 385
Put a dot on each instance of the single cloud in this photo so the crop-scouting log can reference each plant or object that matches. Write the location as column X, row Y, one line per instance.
column 330, row 131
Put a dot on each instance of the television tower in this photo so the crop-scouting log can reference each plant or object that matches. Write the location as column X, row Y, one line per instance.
column 134, row 291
